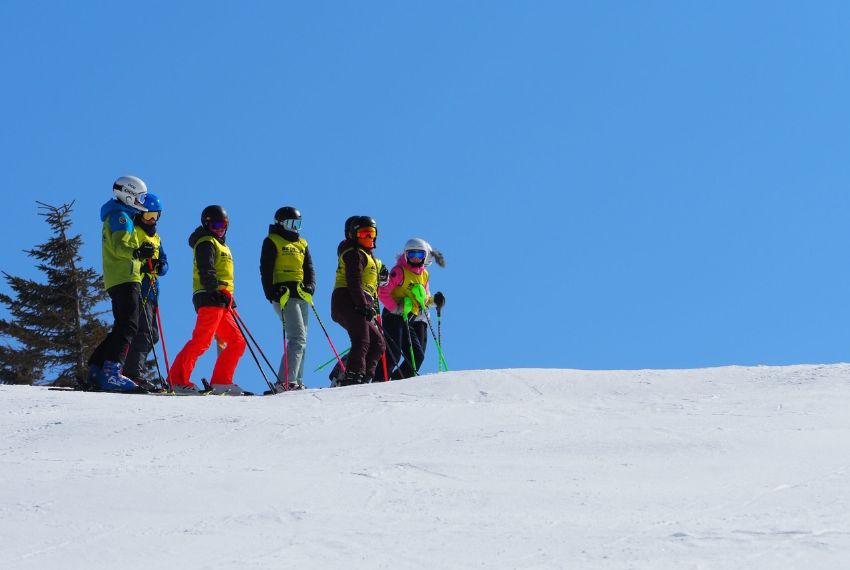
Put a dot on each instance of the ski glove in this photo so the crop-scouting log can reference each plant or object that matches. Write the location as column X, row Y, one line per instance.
column 225, row 297
column 146, row 251
column 383, row 276
column 366, row 310
column 153, row 266
column 309, row 289
column 280, row 290
column 439, row 299
column 306, row 292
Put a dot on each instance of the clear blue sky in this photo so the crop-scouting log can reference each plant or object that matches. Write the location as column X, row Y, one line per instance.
column 614, row 184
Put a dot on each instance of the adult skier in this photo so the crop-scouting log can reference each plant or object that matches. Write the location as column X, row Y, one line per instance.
column 135, row 367
column 286, row 271
column 354, row 299
column 404, row 318
column 123, row 256
column 213, row 300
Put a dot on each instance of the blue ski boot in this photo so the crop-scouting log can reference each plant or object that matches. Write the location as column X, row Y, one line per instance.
column 110, row 379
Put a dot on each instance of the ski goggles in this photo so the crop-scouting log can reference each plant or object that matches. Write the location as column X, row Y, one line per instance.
column 367, row 233
column 151, row 216
column 291, row 225
column 416, row 255
column 217, row 225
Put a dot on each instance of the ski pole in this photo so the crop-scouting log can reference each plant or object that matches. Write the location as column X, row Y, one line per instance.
column 392, row 341
column 152, row 289
column 439, row 326
column 309, row 298
column 342, row 353
column 162, row 337
column 283, row 299
column 443, row 367
column 260, row 350
column 383, row 354
column 162, row 342
column 422, row 299
column 408, row 308
column 250, row 348
column 162, row 382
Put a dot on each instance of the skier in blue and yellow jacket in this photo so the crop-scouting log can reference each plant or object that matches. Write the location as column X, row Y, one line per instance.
column 135, row 367
column 123, row 256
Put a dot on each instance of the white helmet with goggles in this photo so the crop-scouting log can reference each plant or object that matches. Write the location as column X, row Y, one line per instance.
column 130, row 191
column 418, row 248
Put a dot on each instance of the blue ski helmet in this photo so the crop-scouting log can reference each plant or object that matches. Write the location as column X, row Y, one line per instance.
column 151, row 203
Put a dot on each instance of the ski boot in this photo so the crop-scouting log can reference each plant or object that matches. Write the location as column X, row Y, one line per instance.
column 351, row 378
column 110, row 379
column 280, row 387
column 337, row 373
column 277, row 388
column 228, row 390
column 146, row 385
column 185, row 390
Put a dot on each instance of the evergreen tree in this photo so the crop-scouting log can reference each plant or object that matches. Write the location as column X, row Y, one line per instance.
column 54, row 325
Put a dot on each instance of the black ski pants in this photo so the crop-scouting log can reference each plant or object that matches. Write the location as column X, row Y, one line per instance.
column 125, row 310
column 367, row 342
column 145, row 339
column 400, row 338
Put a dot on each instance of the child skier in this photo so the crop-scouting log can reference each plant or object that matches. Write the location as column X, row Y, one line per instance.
column 286, row 269
column 354, row 299
column 213, row 300
column 152, row 269
column 123, row 256
column 404, row 319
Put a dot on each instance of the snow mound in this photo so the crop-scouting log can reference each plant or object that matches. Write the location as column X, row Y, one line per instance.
column 720, row 468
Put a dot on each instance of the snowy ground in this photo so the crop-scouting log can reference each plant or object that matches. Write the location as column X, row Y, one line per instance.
column 717, row 468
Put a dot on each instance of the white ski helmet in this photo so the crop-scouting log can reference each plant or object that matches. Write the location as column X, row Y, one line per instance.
column 419, row 244
column 130, row 191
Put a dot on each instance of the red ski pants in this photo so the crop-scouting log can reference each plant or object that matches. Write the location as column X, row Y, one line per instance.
column 212, row 322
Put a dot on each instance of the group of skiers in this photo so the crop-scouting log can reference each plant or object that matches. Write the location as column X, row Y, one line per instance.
column 386, row 345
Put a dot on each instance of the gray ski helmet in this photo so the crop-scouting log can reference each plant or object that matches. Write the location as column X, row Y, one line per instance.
column 130, row 191
column 419, row 244
column 286, row 213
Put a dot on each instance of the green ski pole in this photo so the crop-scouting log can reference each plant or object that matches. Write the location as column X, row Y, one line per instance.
column 408, row 308
column 421, row 298
column 333, row 358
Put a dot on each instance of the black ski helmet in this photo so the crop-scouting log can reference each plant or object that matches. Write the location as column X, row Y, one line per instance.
column 354, row 223
column 286, row 213
column 213, row 213
column 348, row 222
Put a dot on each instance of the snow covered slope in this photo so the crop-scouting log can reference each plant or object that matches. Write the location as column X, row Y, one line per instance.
column 716, row 468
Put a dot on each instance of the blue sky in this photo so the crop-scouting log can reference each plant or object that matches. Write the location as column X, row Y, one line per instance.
column 614, row 184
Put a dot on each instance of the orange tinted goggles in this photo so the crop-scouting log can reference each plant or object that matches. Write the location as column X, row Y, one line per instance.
column 367, row 233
